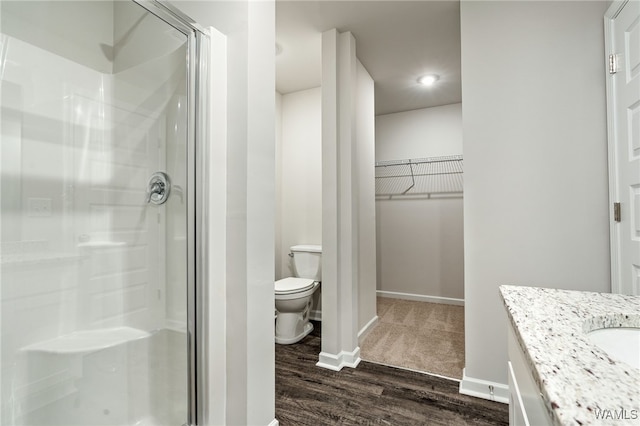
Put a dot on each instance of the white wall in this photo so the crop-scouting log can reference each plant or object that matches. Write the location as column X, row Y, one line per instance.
column 535, row 146
column 420, row 241
column 300, row 183
column 420, row 249
column 365, row 164
column 427, row 132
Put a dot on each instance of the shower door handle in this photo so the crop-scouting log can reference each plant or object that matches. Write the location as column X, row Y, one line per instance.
column 158, row 188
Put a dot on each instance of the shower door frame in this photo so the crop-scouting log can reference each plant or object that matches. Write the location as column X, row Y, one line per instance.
column 198, row 43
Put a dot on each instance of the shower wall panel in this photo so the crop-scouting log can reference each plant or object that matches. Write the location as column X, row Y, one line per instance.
column 81, row 31
column 92, row 277
column 149, row 74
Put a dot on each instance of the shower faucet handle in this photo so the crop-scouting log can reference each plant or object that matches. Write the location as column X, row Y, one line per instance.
column 155, row 188
column 158, row 188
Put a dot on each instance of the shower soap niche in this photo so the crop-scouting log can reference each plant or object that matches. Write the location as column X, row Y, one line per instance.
column 87, row 341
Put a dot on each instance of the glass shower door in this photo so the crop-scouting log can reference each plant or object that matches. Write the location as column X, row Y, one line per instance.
column 93, row 215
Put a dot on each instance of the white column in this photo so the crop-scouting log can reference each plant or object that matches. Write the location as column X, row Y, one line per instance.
column 339, row 203
column 260, row 249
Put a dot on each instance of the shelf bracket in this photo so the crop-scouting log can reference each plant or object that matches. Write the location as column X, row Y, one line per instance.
column 413, row 179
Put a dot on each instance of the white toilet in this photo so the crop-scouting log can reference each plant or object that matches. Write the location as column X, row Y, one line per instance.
column 293, row 295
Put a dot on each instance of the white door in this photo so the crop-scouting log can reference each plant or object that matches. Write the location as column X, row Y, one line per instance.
column 623, row 90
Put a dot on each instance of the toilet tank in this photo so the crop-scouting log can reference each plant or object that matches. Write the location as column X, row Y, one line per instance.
column 307, row 261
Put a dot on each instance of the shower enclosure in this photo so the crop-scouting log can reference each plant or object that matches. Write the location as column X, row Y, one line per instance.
column 100, row 134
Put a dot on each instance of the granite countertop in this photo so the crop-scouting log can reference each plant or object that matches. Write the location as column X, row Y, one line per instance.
column 575, row 377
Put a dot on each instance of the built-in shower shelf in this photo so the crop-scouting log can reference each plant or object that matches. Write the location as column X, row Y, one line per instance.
column 87, row 341
column 419, row 177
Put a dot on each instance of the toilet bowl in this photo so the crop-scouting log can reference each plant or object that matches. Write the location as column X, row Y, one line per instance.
column 293, row 305
column 293, row 295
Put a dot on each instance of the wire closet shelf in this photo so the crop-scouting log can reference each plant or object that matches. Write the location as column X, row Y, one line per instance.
column 420, row 177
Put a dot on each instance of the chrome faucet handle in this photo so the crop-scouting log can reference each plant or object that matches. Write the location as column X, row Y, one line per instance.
column 158, row 188
column 155, row 188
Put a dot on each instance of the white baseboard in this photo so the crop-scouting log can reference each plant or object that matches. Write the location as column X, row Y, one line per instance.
column 492, row 391
column 366, row 329
column 420, row 297
column 315, row 315
column 274, row 422
column 337, row 362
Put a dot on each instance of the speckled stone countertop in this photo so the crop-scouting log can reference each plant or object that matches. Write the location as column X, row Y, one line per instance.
column 575, row 377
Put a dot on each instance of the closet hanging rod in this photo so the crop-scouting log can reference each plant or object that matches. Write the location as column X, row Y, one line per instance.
column 419, row 161
column 419, row 174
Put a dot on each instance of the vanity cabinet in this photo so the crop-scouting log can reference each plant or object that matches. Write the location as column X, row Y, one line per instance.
column 526, row 404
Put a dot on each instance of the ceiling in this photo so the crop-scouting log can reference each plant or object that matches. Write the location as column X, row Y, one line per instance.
column 396, row 41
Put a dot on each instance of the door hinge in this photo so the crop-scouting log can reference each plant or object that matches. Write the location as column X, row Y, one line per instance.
column 616, row 212
column 613, row 63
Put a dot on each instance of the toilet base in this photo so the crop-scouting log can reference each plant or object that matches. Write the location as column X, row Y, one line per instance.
column 308, row 328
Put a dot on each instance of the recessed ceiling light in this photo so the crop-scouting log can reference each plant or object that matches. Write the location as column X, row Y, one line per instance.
column 428, row 80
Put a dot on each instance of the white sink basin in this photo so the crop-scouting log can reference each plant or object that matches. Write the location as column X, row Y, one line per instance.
column 621, row 343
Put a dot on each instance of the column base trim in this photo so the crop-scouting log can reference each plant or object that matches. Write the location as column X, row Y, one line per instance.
column 484, row 389
column 337, row 362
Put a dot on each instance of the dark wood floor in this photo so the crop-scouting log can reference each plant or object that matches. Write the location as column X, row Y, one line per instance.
column 370, row 394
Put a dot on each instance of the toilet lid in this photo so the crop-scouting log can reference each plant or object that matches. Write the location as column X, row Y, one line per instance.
column 293, row 285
